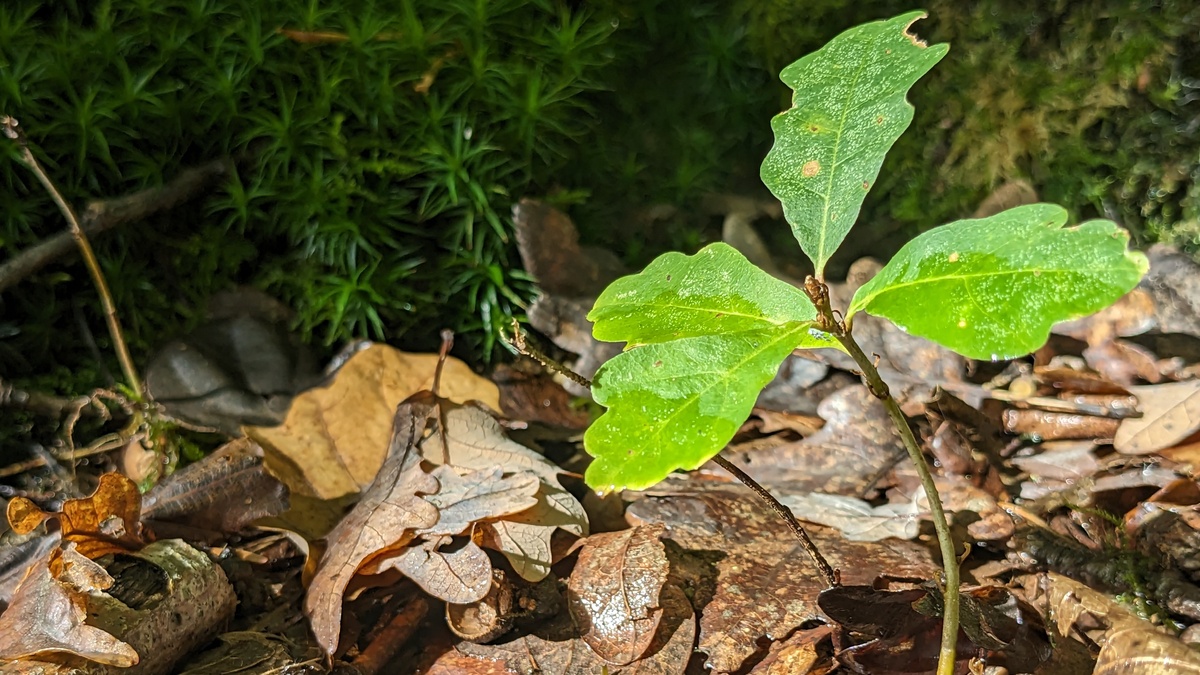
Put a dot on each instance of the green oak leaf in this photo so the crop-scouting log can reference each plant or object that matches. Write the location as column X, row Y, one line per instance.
column 848, row 110
column 709, row 331
column 991, row 288
column 674, row 405
column 713, row 292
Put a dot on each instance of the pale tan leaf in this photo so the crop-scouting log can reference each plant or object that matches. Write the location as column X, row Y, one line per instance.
column 856, row 519
column 386, row 518
column 473, row 440
column 335, row 437
column 479, row 495
column 1170, row 413
column 48, row 614
column 460, row 576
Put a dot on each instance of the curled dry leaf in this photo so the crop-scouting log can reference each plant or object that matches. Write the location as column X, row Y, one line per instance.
column 108, row 521
column 386, row 518
column 49, row 610
column 1170, row 413
column 1128, row 644
column 224, row 492
column 335, row 437
column 473, row 440
column 613, row 594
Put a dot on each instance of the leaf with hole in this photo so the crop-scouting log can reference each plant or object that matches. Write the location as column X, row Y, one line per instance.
column 991, row 288
column 848, row 110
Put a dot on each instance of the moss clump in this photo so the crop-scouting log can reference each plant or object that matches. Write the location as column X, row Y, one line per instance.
column 380, row 147
column 1095, row 102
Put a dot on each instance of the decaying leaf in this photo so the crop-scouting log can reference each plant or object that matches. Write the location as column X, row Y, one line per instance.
column 460, row 576
column 49, row 611
column 476, row 496
column 613, row 594
column 1170, row 413
column 556, row 648
column 855, row 447
column 1128, row 644
column 765, row 585
column 109, row 521
column 385, row 519
column 473, row 440
column 854, row 518
column 335, row 438
column 223, row 492
column 480, row 482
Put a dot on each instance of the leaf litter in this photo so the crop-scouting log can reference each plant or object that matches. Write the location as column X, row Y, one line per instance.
column 1071, row 473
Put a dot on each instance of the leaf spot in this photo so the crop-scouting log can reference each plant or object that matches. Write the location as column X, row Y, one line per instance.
column 814, row 128
column 866, row 185
column 668, row 277
column 879, row 119
column 954, row 256
column 658, row 363
column 962, row 323
column 811, row 168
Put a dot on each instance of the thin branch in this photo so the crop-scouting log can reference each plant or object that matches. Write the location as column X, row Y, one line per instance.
column 13, row 131
column 521, row 343
column 827, row 572
column 827, row 321
column 102, row 215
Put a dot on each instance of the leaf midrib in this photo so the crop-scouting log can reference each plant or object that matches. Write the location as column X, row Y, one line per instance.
column 857, row 305
column 694, row 398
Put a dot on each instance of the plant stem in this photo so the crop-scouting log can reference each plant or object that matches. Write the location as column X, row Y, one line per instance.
column 827, row 321
column 827, row 572
column 13, row 131
column 521, row 343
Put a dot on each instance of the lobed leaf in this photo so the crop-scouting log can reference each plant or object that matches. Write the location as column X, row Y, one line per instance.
column 674, row 405
column 848, row 110
column 712, row 330
column 991, row 288
column 712, row 292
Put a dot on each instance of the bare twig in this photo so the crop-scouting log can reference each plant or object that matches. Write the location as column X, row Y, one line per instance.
column 830, row 322
column 13, row 131
column 103, row 215
column 827, row 572
column 521, row 343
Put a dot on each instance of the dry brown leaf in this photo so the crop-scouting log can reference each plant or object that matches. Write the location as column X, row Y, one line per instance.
column 613, row 593
column 48, row 613
column 1132, row 315
column 335, row 437
column 808, row 652
column 857, row 444
column 224, row 492
column 460, row 576
column 479, row 495
column 856, row 519
column 108, row 521
column 473, row 440
column 387, row 516
column 1170, row 413
column 765, row 585
column 555, row 648
column 1128, row 644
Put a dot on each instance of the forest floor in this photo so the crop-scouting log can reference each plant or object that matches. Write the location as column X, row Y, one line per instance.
column 409, row 515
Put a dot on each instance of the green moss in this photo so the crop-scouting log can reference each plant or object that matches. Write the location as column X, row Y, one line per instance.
column 1094, row 102
column 377, row 172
